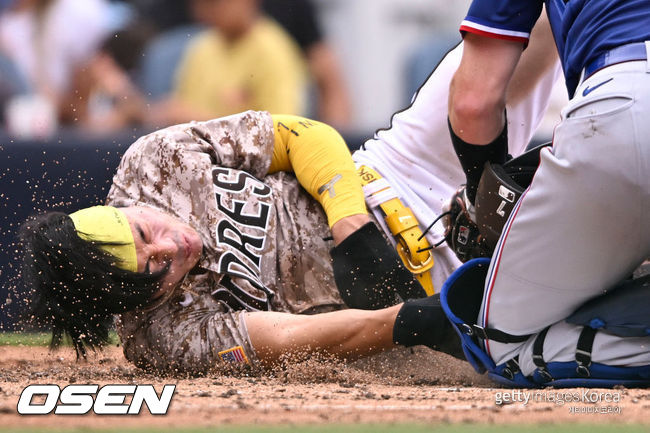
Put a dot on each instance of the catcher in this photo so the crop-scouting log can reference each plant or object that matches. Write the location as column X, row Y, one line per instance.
column 210, row 250
column 580, row 226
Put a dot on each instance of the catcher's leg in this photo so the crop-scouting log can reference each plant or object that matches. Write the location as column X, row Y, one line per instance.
column 560, row 344
column 603, row 344
column 582, row 225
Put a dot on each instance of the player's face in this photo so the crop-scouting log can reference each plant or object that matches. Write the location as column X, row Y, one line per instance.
column 160, row 241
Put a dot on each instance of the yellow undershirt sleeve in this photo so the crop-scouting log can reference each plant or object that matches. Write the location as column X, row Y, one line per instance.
column 322, row 163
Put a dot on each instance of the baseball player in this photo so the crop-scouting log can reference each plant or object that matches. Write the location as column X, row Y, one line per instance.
column 415, row 156
column 590, row 192
column 209, row 241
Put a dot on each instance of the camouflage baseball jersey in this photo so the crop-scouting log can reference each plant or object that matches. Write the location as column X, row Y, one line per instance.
column 264, row 239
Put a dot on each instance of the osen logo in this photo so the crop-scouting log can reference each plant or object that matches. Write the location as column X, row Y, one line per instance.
column 109, row 399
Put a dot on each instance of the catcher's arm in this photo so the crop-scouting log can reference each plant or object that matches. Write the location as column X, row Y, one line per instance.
column 477, row 102
column 539, row 57
column 477, row 93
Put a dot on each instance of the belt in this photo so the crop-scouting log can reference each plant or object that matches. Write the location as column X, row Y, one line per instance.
column 412, row 247
column 624, row 53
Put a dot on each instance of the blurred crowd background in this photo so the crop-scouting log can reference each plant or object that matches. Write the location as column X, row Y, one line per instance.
column 101, row 66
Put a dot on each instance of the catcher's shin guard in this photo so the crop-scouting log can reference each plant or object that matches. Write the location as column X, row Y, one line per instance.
column 461, row 297
column 368, row 272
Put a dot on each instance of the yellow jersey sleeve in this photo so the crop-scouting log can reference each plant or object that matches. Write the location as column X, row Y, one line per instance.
column 322, row 163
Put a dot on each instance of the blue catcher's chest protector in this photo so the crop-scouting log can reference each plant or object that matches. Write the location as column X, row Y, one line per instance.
column 622, row 311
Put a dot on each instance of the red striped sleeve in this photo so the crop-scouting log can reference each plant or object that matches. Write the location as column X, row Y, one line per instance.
column 494, row 32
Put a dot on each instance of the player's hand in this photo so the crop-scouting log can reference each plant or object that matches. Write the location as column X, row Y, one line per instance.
column 461, row 232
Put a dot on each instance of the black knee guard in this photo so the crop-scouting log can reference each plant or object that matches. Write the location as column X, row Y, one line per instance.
column 368, row 272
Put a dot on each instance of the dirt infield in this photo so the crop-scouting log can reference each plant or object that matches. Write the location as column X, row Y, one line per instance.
column 400, row 387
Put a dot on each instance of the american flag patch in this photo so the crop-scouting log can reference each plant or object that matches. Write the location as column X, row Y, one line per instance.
column 234, row 354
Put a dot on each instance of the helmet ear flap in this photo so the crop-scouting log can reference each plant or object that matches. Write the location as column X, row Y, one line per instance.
column 500, row 188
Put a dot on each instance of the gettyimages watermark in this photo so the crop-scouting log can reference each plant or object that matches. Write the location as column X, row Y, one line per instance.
column 105, row 400
column 586, row 401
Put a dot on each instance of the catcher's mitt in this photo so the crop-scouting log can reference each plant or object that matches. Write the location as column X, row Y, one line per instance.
column 461, row 232
column 473, row 232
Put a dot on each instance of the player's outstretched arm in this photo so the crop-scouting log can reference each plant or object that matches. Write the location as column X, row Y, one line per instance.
column 348, row 334
column 352, row 334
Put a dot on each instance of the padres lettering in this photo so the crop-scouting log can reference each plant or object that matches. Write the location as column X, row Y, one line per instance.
column 109, row 399
column 243, row 230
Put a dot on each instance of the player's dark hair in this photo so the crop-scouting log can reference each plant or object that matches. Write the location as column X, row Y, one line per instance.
column 74, row 286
